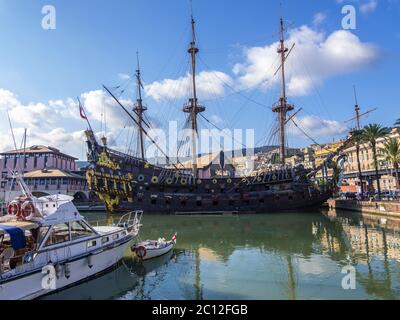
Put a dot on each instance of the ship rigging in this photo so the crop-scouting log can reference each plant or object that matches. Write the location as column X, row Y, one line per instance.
column 127, row 182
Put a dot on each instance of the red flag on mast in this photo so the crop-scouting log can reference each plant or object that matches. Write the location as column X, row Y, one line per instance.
column 174, row 237
column 82, row 111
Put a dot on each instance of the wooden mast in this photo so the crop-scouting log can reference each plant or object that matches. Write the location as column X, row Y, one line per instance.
column 193, row 108
column 282, row 107
column 140, row 109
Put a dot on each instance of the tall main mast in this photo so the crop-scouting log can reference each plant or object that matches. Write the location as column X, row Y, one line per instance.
column 282, row 107
column 140, row 109
column 193, row 108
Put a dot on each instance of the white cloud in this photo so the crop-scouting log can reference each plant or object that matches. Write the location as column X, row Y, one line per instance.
column 319, row 18
column 216, row 119
column 318, row 127
column 31, row 114
column 57, row 137
column 368, row 6
column 365, row 6
column 209, row 84
column 45, row 122
column 124, row 76
column 315, row 58
column 100, row 106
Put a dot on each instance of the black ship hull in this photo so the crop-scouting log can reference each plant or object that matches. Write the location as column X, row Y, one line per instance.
column 127, row 183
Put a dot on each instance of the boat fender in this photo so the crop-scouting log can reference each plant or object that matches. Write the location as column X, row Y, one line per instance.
column 28, row 210
column 229, row 181
column 215, row 181
column 141, row 252
column 67, row 270
column 184, row 181
column 140, row 178
column 58, row 270
column 169, row 181
column 90, row 261
column 199, row 182
column 154, row 180
column 13, row 208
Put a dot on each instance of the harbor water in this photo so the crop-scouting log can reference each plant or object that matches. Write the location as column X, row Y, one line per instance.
column 275, row 256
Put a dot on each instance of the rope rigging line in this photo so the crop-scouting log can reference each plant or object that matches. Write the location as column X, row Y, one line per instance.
column 308, row 136
column 232, row 88
column 215, row 126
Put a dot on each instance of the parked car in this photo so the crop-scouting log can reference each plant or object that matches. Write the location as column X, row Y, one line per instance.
column 351, row 195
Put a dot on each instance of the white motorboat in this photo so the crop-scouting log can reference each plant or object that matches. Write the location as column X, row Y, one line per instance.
column 46, row 245
column 150, row 249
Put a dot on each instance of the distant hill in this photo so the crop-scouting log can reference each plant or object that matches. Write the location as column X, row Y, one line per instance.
column 82, row 164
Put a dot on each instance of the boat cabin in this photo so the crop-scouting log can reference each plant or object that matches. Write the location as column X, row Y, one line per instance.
column 21, row 241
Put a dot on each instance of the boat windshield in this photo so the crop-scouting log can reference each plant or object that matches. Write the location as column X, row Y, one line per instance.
column 65, row 232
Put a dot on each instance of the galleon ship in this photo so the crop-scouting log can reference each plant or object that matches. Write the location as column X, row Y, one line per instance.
column 129, row 182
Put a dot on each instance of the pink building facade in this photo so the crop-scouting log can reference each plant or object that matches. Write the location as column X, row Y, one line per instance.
column 46, row 170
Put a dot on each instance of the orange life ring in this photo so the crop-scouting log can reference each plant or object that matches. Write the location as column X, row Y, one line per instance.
column 14, row 209
column 27, row 210
column 141, row 252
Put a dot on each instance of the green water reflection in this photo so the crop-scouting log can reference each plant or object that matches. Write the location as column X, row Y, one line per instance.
column 282, row 256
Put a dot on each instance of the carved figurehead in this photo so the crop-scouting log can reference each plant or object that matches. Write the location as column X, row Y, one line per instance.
column 93, row 153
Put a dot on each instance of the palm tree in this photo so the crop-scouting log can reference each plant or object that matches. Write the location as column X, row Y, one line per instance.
column 370, row 134
column 397, row 125
column 391, row 153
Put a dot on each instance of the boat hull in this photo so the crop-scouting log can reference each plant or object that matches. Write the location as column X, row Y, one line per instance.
column 154, row 253
column 28, row 287
column 125, row 183
column 251, row 206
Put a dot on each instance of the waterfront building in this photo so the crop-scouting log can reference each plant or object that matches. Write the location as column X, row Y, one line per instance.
column 386, row 170
column 47, row 171
column 213, row 165
column 309, row 157
column 350, row 181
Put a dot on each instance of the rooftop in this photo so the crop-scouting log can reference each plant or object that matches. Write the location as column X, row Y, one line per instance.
column 204, row 161
column 37, row 149
column 51, row 173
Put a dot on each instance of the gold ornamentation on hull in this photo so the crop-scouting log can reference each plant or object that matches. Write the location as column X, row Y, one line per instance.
column 110, row 202
column 105, row 161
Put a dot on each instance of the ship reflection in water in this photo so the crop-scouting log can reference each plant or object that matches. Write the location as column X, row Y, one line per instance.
column 284, row 256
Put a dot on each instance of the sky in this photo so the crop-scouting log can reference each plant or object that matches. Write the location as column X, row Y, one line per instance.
column 42, row 72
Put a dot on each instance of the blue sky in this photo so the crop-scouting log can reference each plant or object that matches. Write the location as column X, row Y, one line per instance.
column 96, row 42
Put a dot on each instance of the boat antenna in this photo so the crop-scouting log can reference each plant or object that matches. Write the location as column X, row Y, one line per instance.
column 12, row 131
column 139, row 109
column 282, row 107
column 24, row 166
column 192, row 107
column 15, row 176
